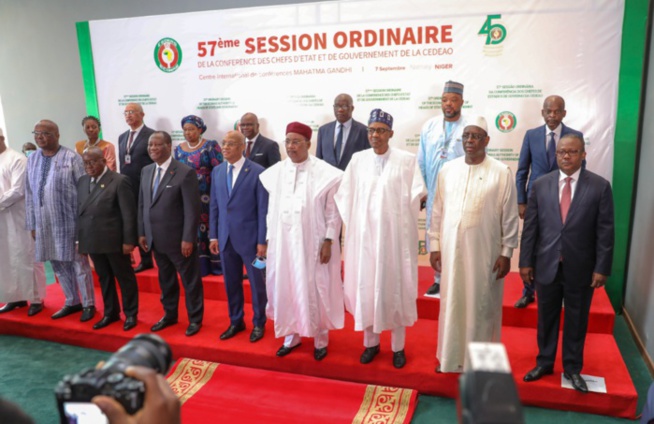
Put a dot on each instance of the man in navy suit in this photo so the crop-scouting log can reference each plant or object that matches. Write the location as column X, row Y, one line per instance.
column 537, row 158
column 258, row 148
column 566, row 252
column 168, row 217
column 340, row 139
column 237, row 230
column 133, row 156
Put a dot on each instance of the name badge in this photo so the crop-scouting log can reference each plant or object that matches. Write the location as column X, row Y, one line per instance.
column 128, row 159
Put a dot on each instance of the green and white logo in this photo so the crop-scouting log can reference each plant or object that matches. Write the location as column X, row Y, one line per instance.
column 495, row 33
column 168, row 55
column 506, row 121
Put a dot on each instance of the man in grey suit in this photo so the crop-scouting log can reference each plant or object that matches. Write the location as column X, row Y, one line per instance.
column 106, row 230
column 340, row 139
column 258, row 148
column 168, row 216
column 133, row 156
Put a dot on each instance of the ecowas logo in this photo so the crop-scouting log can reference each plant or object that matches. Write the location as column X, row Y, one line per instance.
column 168, row 55
column 495, row 34
column 506, row 121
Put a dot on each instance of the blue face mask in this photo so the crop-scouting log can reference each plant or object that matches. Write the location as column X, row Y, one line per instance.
column 259, row 262
column 29, row 152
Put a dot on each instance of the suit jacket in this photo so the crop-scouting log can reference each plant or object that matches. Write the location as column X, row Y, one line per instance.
column 265, row 152
column 584, row 243
column 106, row 217
column 533, row 159
column 173, row 215
column 241, row 217
column 357, row 140
column 139, row 156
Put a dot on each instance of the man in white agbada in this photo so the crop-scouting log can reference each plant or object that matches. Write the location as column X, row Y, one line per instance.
column 379, row 202
column 473, row 233
column 303, row 281
column 22, row 279
column 440, row 142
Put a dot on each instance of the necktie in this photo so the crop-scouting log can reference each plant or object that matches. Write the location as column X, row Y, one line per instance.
column 92, row 185
column 157, row 180
column 248, row 150
column 566, row 198
column 230, row 176
column 551, row 151
column 129, row 142
column 339, row 143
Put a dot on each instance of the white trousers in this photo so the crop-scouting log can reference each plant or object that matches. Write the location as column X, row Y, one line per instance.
column 398, row 336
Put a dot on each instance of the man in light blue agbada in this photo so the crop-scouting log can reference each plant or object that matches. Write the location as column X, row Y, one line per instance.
column 440, row 142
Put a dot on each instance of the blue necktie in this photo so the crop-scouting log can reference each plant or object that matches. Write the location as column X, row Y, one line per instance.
column 157, row 180
column 339, row 143
column 230, row 176
column 551, row 151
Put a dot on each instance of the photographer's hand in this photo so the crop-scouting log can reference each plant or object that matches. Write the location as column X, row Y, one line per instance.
column 160, row 406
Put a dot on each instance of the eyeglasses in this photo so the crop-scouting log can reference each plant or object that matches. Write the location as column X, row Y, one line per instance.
column 342, row 106
column 230, row 144
column 472, row 136
column 42, row 133
column 91, row 162
column 380, row 131
column 293, row 143
column 246, row 125
column 130, row 112
column 563, row 153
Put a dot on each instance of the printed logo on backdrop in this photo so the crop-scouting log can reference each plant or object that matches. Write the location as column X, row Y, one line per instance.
column 168, row 55
column 506, row 121
column 495, row 34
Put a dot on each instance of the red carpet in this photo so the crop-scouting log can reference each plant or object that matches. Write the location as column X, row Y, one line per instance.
column 231, row 394
column 342, row 362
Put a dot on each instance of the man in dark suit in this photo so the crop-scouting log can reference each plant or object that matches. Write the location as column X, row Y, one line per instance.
column 106, row 229
column 133, row 156
column 537, row 158
column 340, row 139
column 566, row 251
column 168, row 217
column 237, row 231
column 258, row 148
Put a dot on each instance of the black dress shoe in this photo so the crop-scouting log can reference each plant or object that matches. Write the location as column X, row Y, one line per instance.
column 12, row 305
column 369, row 354
column 163, row 323
column 578, row 382
column 319, row 354
column 193, row 328
column 105, row 321
column 524, row 301
column 34, row 309
column 87, row 314
column 283, row 351
column 537, row 373
column 257, row 334
column 130, row 322
column 434, row 289
column 232, row 331
column 67, row 310
column 142, row 267
column 399, row 359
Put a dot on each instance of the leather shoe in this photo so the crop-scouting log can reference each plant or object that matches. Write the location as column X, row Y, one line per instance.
column 537, row 373
column 434, row 289
column 283, row 351
column 130, row 322
column 12, row 305
column 34, row 309
column 523, row 302
column 87, row 314
column 319, row 354
column 67, row 310
column 233, row 330
column 105, row 321
column 577, row 382
column 193, row 328
column 163, row 323
column 369, row 354
column 257, row 334
column 142, row 267
column 399, row 359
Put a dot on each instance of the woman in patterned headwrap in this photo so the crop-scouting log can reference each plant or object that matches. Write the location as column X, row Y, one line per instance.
column 202, row 155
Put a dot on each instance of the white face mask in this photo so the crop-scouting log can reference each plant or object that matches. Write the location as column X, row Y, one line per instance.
column 29, row 152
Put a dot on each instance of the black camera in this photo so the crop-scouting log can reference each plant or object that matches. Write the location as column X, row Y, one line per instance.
column 74, row 392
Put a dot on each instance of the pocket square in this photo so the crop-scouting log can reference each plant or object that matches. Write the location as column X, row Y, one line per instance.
column 258, row 154
column 168, row 186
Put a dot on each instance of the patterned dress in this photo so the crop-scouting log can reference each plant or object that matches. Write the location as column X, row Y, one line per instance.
column 203, row 161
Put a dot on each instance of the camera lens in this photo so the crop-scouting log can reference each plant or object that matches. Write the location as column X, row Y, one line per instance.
column 148, row 350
